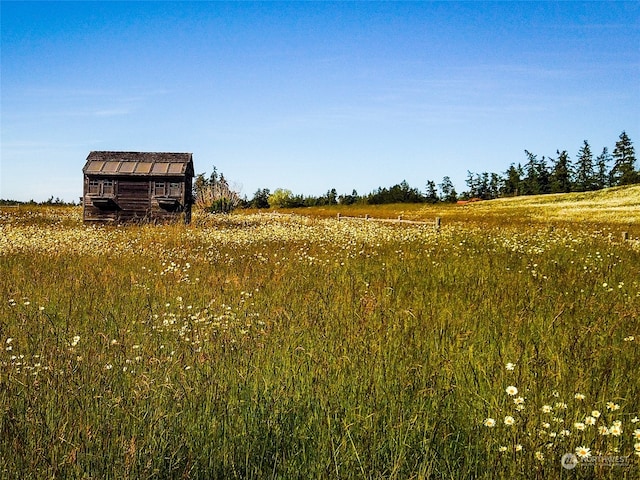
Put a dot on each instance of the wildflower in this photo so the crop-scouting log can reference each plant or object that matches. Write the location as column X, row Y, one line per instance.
column 602, row 430
column 565, row 433
column 108, row 366
column 612, row 406
column 75, row 340
column 579, row 396
column 635, row 420
column 579, row 426
column 561, row 405
column 546, row 409
column 630, row 338
column 539, row 456
column 546, row 425
column 636, row 447
column 511, row 390
column 518, row 448
column 509, row 420
column 502, row 449
column 636, row 434
column 590, row 421
column 9, row 340
column 595, row 413
column 615, row 430
column 489, row 422
column 510, row 366
column 518, row 400
column 583, row 452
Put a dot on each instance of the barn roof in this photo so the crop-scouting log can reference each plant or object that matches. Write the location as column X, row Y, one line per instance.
column 160, row 164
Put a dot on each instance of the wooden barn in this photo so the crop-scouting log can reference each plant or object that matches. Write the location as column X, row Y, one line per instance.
column 122, row 187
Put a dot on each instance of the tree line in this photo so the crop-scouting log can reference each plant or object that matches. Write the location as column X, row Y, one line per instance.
column 559, row 174
column 58, row 202
column 536, row 176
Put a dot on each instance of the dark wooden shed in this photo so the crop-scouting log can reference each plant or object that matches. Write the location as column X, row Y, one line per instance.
column 124, row 187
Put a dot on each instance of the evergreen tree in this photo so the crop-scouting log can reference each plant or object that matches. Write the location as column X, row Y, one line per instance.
column 530, row 184
column 494, row 185
column 484, row 190
column 623, row 171
column 447, row 190
column 561, row 173
column 512, row 182
column 260, row 199
column 601, row 176
column 349, row 199
column 473, row 183
column 332, row 197
column 544, row 176
column 431, row 195
column 584, row 179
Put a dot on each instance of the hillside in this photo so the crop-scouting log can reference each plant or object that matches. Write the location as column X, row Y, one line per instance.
column 617, row 208
column 616, row 205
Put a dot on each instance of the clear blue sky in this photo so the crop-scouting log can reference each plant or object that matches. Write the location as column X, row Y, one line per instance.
column 312, row 96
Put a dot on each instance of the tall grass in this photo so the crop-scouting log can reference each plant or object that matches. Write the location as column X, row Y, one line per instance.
column 262, row 346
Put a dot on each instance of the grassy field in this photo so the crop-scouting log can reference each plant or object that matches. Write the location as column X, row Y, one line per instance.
column 262, row 345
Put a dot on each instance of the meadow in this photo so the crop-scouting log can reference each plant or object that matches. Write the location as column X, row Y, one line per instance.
column 279, row 345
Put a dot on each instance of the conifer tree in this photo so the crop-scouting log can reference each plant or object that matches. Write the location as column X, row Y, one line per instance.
column 584, row 180
column 447, row 190
column 530, row 184
column 561, row 173
column 623, row 171
column 512, row 181
column 601, row 176
column 431, row 195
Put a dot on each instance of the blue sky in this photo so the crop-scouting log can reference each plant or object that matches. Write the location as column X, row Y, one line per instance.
column 312, row 96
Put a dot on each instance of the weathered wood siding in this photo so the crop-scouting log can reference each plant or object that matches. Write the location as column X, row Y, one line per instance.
column 122, row 187
column 133, row 199
column 93, row 213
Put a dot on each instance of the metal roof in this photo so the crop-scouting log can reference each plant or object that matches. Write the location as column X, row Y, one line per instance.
column 159, row 164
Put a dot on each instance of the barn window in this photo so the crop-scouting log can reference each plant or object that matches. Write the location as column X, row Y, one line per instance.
column 175, row 189
column 107, row 187
column 159, row 189
column 94, row 187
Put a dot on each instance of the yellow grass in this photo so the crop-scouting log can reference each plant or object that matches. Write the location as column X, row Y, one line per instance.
column 617, row 208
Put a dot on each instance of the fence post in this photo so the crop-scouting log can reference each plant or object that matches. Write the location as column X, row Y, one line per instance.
column 625, row 236
column 366, row 216
column 338, row 216
column 438, row 224
column 399, row 218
